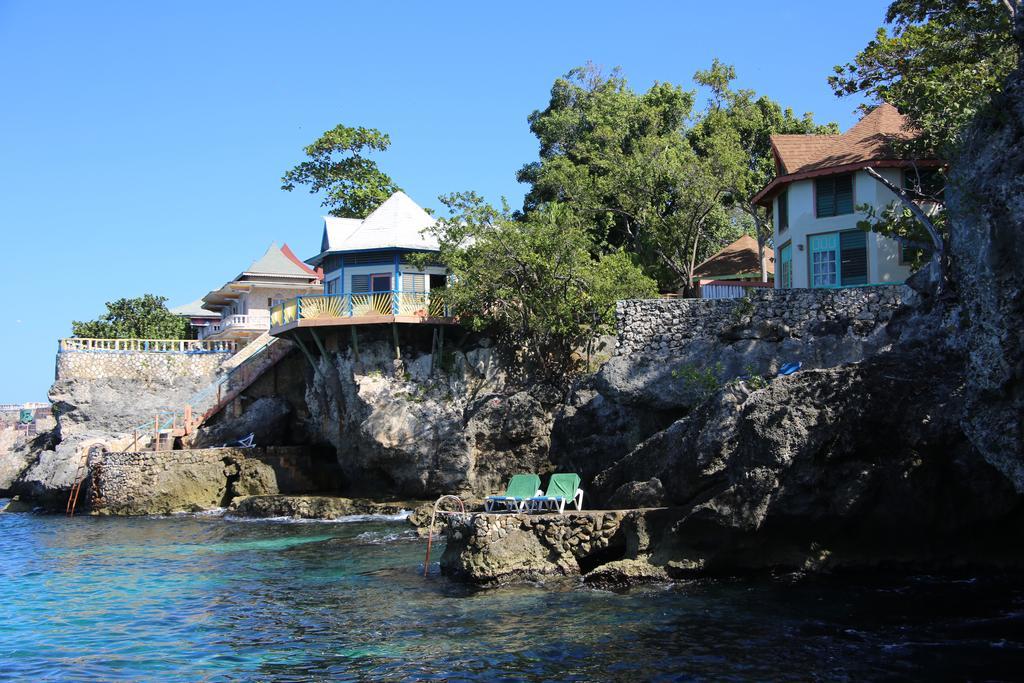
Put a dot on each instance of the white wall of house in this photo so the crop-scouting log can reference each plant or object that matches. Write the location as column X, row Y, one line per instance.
column 384, row 268
column 883, row 253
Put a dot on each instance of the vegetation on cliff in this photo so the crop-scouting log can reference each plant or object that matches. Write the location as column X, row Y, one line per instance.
column 144, row 317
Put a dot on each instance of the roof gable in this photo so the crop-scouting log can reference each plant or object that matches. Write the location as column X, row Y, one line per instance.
column 276, row 262
column 395, row 224
column 869, row 140
column 740, row 257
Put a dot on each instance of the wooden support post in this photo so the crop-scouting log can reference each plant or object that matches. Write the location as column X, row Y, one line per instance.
column 188, row 419
column 440, row 346
column 156, row 433
column 433, row 350
column 307, row 354
column 394, row 331
column 355, row 343
column 319, row 344
column 135, row 441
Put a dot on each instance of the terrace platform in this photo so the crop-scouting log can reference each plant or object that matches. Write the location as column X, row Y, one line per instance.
column 348, row 309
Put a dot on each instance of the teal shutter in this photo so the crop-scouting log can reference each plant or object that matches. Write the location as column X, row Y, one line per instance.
column 853, row 247
column 825, row 197
column 833, row 196
column 786, row 266
column 844, row 195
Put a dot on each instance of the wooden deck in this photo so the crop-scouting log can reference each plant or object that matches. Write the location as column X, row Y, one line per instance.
column 347, row 321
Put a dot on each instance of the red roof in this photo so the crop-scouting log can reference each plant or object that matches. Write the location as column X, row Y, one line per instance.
column 870, row 141
column 286, row 250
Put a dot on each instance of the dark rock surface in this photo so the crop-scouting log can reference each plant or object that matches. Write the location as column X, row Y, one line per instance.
column 987, row 250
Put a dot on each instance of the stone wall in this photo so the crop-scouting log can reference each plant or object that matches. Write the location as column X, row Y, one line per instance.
column 175, row 481
column 157, row 368
column 606, row 547
column 665, row 325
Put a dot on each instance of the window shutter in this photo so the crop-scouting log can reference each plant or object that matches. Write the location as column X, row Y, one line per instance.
column 844, row 194
column 413, row 282
column 360, row 284
column 853, row 247
column 825, row 204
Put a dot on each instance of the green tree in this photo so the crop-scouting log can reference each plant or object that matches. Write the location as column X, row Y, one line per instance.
column 737, row 126
column 620, row 161
column 339, row 166
column 939, row 62
column 144, row 317
column 534, row 281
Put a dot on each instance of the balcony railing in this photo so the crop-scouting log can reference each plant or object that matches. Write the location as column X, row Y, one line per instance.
column 359, row 305
column 252, row 321
column 145, row 345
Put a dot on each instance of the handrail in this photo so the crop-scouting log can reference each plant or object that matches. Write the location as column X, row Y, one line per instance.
column 94, row 345
column 361, row 304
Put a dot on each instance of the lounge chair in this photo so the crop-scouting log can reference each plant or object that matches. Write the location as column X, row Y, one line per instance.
column 562, row 488
column 521, row 488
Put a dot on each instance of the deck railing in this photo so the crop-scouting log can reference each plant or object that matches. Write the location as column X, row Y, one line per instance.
column 356, row 305
column 91, row 345
column 250, row 321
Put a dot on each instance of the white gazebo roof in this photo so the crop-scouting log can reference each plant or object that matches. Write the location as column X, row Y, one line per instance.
column 398, row 223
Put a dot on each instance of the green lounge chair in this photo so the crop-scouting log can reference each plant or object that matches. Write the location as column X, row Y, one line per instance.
column 561, row 489
column 521, row 488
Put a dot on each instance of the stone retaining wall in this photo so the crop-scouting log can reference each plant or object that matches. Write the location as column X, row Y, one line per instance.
column 156, row 368
column 175, row 481
column 662, row 325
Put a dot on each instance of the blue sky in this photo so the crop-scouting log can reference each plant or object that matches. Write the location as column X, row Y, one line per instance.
column 142, row 143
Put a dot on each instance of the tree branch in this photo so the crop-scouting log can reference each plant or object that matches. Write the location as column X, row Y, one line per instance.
column 916, row 210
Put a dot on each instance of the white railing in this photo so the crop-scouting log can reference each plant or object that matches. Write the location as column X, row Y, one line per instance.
column 728, row 289
column 239, row 321
column 90, row 345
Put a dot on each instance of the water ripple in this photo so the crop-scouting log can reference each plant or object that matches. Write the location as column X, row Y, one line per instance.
column 205, row 598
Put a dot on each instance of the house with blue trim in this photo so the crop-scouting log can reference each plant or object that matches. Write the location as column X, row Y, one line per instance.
column 820, row 181
column 369, row 272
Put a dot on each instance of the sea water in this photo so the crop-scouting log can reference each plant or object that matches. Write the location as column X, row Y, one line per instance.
column 208, row 598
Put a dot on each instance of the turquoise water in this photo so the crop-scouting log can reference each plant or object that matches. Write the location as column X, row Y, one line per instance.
column 210, row 599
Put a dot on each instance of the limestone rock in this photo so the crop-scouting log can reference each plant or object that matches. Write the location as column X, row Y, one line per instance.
column 987, row 250
column 267, row 419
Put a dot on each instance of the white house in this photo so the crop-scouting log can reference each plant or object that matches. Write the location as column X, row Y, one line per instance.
column 360, row 256
column 819, row 182
column 244, row 303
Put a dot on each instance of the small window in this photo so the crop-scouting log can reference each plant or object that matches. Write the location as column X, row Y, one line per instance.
column 380, row 282
column 824, row 260
column 925, row 183
column 833, row 196
column 360, row 284
column 782, row 208
column 911, row 256
column 414, row 282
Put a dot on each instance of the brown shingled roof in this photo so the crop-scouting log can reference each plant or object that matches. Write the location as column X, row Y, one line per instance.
column 868, row 142
column 739, row 258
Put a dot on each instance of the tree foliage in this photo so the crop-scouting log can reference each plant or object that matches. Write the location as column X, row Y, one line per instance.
column 534, row 280
column 339, row 166
column 144, row 317
column 939, row 62
column 736, row 127
column 651, row 175
column 620, row 161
